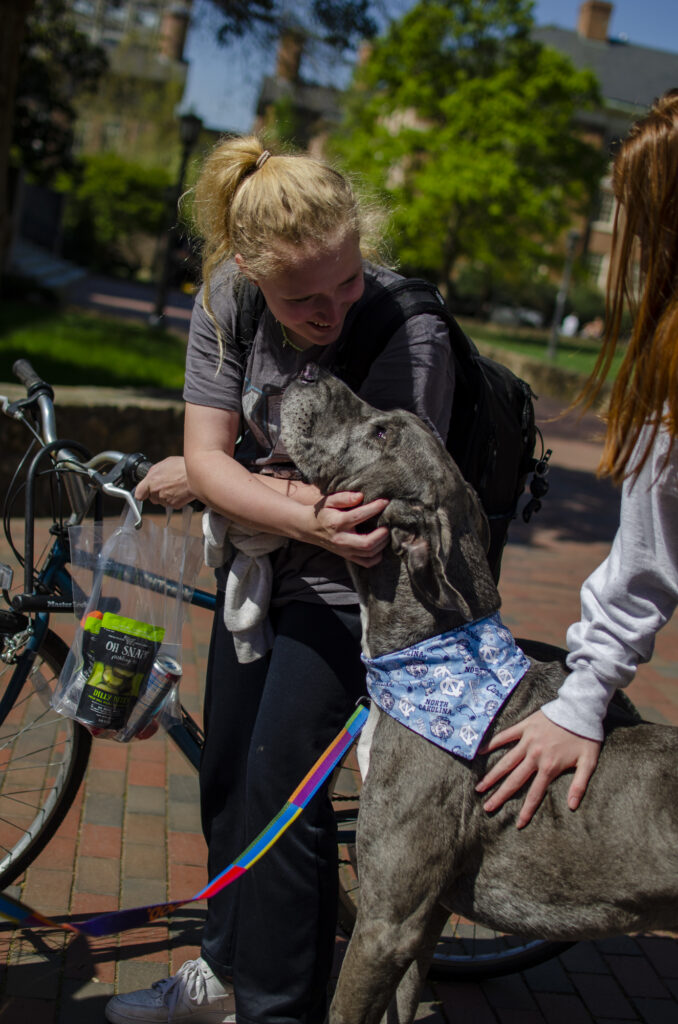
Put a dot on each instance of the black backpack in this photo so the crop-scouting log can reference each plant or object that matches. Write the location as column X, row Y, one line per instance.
column 492, row 433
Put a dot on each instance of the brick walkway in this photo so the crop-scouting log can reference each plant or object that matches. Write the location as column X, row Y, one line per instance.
column 134, row 836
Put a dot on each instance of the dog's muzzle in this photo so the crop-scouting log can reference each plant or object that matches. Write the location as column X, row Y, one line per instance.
column 310, row 374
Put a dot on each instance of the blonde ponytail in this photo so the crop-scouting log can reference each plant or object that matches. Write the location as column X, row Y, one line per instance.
column 268, row 207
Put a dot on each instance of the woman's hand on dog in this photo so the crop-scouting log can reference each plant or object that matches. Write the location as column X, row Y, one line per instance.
column 337, row 518
column 543, row 750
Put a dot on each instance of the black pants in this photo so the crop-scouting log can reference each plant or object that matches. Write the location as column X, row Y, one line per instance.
column 267, row 722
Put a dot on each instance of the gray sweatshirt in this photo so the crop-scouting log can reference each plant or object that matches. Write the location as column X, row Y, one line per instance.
column 626, row 600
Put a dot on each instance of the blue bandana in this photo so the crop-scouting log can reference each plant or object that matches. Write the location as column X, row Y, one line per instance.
column 449, row 688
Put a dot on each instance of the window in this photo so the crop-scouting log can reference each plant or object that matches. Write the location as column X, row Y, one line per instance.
column 146, row 16
column 607, row 204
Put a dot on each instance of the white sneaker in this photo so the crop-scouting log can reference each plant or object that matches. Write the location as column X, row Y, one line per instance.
column 193, row 994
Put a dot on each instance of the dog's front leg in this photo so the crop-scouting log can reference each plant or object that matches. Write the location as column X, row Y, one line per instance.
column 403, row 1009
column 406, row 853
column 382, row 956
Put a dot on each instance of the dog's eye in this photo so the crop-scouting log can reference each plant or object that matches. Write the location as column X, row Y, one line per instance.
column 380, row 432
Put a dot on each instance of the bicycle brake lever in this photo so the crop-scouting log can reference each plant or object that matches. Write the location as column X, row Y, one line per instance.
column 15, row 410
column 120, row 492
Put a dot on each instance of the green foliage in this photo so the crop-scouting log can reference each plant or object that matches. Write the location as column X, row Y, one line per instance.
column 122, row 197
column 57, row 63
column 82, row 348
column 112, row 203
column 476, row 289
column 343, row 22
column 587, row 301
column 465, row 123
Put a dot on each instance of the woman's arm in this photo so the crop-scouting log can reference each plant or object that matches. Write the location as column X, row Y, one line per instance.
column 166, row 483
column 624, row 603
column 273, row 505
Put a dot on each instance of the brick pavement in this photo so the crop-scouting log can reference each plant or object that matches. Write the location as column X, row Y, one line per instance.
column 133, row 835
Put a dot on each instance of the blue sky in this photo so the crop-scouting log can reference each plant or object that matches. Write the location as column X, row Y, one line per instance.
column 223, row 82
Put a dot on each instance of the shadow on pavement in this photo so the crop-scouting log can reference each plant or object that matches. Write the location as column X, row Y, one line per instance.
column 578, row 508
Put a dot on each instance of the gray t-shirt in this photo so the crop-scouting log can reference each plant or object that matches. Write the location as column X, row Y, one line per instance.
column 414, row 371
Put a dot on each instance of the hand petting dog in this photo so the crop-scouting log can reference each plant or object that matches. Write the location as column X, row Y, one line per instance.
column 543, row 750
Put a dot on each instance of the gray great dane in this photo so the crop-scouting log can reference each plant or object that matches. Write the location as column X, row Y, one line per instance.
column 425, row 846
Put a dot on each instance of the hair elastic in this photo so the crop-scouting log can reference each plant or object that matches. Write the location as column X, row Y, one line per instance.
column 262, row 159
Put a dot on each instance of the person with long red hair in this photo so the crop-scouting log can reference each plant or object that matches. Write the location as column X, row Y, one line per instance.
column 628, row 598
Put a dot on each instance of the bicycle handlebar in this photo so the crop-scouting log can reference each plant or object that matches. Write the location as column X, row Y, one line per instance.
column 133, row 468
column 111, row 471
column 27, row 376
column 138, row 468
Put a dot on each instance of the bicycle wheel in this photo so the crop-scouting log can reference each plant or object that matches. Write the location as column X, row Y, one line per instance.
column 43, row 757
column 465, row 950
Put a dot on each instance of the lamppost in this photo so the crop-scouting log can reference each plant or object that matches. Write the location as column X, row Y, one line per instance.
column 570, row 248
column 190, row 126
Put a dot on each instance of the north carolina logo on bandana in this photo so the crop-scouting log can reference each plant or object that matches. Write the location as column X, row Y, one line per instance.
column 449, row 688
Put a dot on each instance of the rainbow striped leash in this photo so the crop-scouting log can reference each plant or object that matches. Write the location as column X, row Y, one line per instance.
column 121, row 920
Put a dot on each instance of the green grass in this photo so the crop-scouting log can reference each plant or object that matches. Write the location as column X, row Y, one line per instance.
column 73, row 347
column 577, row 355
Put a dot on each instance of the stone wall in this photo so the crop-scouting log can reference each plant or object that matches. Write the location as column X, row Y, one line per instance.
column 101, row 419
column 543, row 378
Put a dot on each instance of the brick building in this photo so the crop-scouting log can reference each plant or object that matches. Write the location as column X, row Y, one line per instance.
column 302, row 111
column 630, row 78
column 134, row 108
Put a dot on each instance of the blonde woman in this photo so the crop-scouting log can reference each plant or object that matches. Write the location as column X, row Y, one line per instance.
column 634, row 592
column 294, row 227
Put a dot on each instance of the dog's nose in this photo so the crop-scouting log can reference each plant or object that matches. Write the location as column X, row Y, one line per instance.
column 310, row 373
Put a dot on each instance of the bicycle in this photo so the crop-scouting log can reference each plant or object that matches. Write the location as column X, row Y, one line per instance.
column 47, row 754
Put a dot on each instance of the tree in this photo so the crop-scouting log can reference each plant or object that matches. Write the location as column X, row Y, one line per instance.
column 57, row 64
column 116, row 209
column 466, row 125
column 14, row 17
column 340, row 23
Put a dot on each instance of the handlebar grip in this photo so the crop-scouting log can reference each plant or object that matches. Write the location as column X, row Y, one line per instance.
column 25, row 373
column 140, row 469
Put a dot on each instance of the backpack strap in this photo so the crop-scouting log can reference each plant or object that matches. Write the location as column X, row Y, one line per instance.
column 378, row 320
column 250, row 305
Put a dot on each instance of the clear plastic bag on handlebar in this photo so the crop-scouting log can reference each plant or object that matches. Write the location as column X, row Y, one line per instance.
column 130, row 588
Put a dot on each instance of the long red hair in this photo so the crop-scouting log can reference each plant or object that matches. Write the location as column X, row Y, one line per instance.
column 645, row 184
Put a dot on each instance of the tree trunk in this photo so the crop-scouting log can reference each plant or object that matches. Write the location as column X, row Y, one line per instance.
column 14, row 15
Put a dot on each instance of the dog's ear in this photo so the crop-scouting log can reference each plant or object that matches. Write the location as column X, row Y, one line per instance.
column 478, row 517
column 422, row 538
